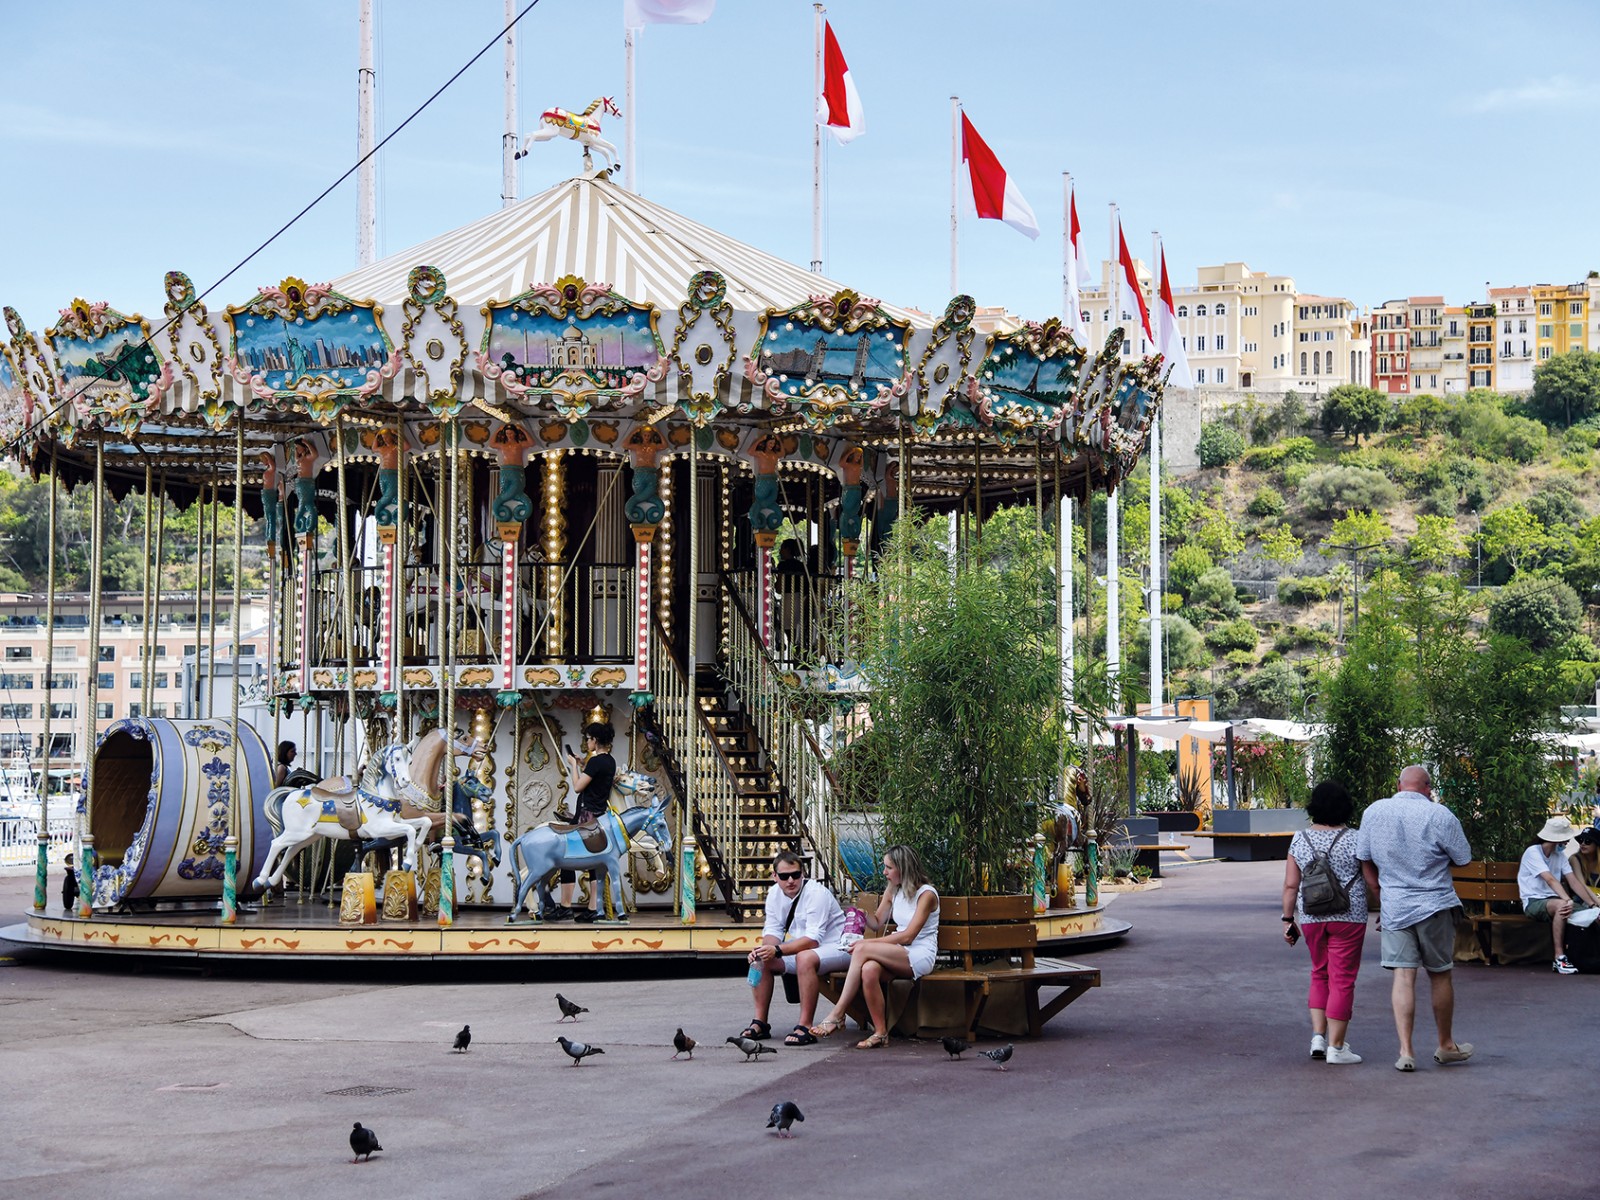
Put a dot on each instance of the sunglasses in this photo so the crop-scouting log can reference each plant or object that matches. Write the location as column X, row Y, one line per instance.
column 789, row 874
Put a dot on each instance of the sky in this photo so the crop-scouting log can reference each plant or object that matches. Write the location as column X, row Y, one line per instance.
column 1370, row 150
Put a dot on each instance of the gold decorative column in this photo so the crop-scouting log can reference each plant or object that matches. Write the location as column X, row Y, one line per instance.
column 555, row 547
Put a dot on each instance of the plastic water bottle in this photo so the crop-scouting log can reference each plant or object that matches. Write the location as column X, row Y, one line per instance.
column 755, row 974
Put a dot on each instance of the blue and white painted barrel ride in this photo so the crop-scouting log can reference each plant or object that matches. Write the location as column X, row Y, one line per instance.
column 160, row 809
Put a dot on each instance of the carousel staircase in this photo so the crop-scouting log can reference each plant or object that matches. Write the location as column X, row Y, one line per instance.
column 766, row 821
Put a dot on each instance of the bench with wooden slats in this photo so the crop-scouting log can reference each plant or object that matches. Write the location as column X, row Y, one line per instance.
column 1481, row 886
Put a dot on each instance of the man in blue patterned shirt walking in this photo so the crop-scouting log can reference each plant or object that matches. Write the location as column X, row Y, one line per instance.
column 1406, row 845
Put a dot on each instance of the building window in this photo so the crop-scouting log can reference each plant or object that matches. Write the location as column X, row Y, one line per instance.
column 1416, row 381
column 1508, row 350
column 1200, row 343
column 1575, row 331
column 1522, row 326
column 18, row 653
column 103, row 711
column 1199, row 310
column 16, row 712
column 1547, row 331
column 1222, row 341
column 1575, row 308
column 67, row 711
column 12, row 744
column 1316, row 362
column 106, row 680
column 1544, row 308
column 62, row 744
column 66, row 654
column 108, row 654
column 8, row 680
column 1221, row 310
column 1200, row 375
column 1183, row 310
column 1222, row 374
column 1302, row 362
column 65, row 683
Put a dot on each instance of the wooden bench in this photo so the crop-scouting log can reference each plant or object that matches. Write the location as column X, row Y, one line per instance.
column 991, row 968
column 1250, row 847
column 1481, row 886
column 1148, row 854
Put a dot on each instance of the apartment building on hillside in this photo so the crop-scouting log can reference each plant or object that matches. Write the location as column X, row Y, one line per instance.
column 1514, row 315
column 1391, row 350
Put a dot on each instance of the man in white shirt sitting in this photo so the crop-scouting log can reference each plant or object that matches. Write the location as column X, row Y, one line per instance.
column 801, row 938
column 1550, row 889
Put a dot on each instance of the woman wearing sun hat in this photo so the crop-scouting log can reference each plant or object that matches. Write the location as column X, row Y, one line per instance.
column 1550, row 889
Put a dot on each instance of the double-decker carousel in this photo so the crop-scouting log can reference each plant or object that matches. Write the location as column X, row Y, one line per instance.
column 515, row 480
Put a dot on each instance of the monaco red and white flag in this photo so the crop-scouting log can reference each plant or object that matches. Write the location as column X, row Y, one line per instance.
column 994, row 195
column 1130, row 284
column 636, row 14
column 839, row 105
column 1077, row 270
column 1169, row 338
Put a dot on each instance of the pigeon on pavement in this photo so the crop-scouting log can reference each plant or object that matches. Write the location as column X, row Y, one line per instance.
column 577, row 1051
column 363, row 1141
column 1001, row 1056
column 783, row 1116
column 464, row 1038
column 682, row 1043
column 954, row 1046
column 568, row 1008
column 752, row 1048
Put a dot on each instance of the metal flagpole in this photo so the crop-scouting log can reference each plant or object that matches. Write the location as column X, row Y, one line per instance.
column 367, row 174
column 508, row 140
column 955, row 175
column 1157, row 693
column 816, row 145
column 630, row 126
column 1113, row 584
column 41, row 872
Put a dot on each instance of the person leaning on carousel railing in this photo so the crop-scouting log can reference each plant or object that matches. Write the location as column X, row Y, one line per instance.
column 907, row 953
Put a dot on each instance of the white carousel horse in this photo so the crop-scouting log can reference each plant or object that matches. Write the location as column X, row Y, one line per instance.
column 547, row 848
column 583, row 128
column 398, row 796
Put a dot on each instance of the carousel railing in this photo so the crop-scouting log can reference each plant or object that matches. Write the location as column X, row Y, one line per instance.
column 757, row 679
column 802, row 606
column 690, row 738
column 326, row 619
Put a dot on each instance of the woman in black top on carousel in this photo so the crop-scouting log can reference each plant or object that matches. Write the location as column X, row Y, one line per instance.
column 592, row 777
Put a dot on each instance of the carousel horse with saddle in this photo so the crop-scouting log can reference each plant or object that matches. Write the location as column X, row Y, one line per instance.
column 398, row 799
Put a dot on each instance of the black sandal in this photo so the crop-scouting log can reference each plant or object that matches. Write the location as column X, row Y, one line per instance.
column 756, row 1031
column 800, row 1036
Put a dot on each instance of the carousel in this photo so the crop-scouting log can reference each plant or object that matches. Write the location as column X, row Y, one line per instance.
column 518, row 480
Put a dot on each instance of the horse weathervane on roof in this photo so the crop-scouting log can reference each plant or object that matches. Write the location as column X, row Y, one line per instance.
column 583, row 128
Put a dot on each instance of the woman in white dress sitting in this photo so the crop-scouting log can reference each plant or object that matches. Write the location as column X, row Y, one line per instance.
column 907, row 953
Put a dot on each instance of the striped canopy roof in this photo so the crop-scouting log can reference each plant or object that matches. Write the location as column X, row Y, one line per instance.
column 602, row 233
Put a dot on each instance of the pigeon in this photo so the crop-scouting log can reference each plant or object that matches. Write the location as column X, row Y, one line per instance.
column 954, row 1046
column 682, row 1043
column 568, row 1008
column 1001, row 1056
column 363, row 1141
column 783, row 1116
column 464, row 1038
column 577, row 1051
column 752, row 1048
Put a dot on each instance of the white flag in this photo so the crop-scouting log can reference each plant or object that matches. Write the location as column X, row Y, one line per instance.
column 1169, row 339
column 636, row 14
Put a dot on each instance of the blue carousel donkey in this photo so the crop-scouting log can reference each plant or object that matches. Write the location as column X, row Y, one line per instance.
column 603, row 847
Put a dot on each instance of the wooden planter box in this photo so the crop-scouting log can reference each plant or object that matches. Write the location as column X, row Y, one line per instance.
column 1259, row 820
column 1175, row 820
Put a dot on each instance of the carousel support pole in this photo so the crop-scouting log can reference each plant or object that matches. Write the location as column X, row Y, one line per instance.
column 555, row 549
column 850, row 464
column 1091, row 874
column 1040, row 887
column 91, row 720
column 387, row 513
column 511, row 508
column 691, row 798
column 146, row 642
column 645, row 511
column 41, row 872
column 199, row 594
column 400, row 588
column 351, row 574
column 230, row 844
column 305, row 524
column 211, row 604
column 155, row 583
column 447, row 869
column 977, row 489
column 766, row 518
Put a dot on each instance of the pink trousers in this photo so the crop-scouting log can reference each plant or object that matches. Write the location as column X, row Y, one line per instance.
column 1335, row 960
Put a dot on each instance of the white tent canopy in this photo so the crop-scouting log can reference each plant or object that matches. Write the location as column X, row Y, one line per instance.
column 1253, row 729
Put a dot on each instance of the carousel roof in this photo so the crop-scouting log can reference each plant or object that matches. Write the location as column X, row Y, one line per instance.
column 596, row 230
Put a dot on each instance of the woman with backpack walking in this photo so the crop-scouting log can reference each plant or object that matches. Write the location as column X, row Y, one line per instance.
column 1325, row 897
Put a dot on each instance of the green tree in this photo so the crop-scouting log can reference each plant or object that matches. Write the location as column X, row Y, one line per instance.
column 1371, row 709
column 1567, row 388
column 1437, row 543
column 1328, row 491
column 1356, row 533
column 1355, row 411
column 1280, row 545
column 1514, row 534
column 1219, row 534
column 1541, row 612
column 1189, row 562
column 1220, row 445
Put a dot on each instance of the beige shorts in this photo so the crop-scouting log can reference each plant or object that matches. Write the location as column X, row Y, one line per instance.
column 1430, row 944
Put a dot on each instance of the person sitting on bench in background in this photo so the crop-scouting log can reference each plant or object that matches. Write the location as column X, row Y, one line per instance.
column 907, row 953
column 1550, row 890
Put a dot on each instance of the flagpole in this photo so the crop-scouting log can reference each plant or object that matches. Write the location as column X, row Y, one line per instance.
column 508, row 140
column 816, row 144
column 1157, row 693
column 630, row 125
column 367, row 172
column 1113, row 583
column 1067, row 265
column 955, row 171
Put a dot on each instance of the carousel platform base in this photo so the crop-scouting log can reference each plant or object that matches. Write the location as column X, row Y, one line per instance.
column 311, row 931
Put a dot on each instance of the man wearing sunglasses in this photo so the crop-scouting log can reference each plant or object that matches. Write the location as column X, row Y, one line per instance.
column 800, row 941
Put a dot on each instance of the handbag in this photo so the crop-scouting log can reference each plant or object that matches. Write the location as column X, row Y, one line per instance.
column 791, row 984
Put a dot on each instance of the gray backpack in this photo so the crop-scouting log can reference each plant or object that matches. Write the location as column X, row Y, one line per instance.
column 1321, row 893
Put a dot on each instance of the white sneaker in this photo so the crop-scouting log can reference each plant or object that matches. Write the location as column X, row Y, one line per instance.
column 1342, row 1055
column 1319, row 1046
column 1562, row 967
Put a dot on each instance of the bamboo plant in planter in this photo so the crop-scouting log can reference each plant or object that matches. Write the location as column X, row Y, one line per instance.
column 958, row 647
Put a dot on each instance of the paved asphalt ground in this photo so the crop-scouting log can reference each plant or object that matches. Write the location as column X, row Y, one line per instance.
column 1186, row 1074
